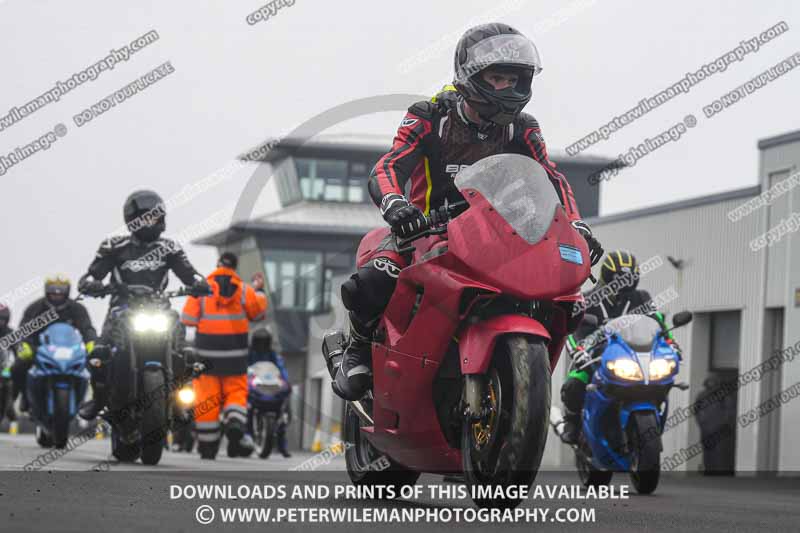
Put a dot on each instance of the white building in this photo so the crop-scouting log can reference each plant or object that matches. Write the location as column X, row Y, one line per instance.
column 745, row 296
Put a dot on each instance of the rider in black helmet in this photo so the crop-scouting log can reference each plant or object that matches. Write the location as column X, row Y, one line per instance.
column 480, row 115
column 142, row 258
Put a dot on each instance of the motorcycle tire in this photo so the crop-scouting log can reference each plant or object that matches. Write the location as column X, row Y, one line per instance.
column 154, row 417
column 366, row 465
column 645, row 451
column 505, row 446
column 61, row 417
column 267, row 427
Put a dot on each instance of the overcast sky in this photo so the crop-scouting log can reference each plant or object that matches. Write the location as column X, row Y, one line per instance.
column 236, row 84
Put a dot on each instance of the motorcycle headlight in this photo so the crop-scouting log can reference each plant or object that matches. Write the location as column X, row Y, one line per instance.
column 155, row 322
column 626, row 369
column 661, row 368
column 186, row 396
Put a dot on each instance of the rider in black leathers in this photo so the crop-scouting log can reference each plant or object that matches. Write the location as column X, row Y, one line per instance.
column 143, row 258
column 480, row 115
column 619, row 271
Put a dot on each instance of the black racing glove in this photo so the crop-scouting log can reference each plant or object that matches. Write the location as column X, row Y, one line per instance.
column 595, row 250
column 91, row 287
column 200, row 288
column 405, row 219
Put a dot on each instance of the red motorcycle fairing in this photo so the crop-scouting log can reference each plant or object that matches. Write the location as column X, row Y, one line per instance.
column 477, row 342
column 517, row 267
column 427, row 316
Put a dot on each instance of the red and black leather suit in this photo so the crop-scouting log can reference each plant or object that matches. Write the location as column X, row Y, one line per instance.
column 434, row 141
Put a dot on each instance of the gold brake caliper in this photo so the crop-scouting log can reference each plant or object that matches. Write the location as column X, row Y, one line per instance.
column 482, row 429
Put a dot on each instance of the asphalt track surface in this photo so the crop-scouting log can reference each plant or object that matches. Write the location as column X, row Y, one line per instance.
column 68, row 496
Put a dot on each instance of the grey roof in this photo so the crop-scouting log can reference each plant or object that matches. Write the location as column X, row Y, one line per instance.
column 323, row 217
column 746, row 192
column 276, row 147
column 783, row 138
column 332, row 218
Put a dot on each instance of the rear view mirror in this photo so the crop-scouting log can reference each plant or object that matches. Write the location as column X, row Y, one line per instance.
column 681, row 319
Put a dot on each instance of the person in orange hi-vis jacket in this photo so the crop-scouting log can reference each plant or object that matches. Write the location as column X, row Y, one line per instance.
column 221, row 341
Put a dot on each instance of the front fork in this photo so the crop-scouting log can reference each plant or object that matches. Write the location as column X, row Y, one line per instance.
column 474, row 390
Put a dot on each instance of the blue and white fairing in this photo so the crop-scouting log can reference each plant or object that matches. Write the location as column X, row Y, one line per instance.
column 637, row 367
column 60, row 362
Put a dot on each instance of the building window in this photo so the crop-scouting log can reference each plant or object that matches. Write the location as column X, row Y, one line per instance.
column 332, row 180
column 724, row 337
column 295, row 279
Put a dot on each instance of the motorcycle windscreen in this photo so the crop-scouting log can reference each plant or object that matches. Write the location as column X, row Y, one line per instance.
column 61, row 334
column 266, row 371
column 518, row 188
column 638, row 331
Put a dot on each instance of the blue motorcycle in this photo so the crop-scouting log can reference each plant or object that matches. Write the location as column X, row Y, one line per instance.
column 635, row 362
column 267, row 393
column 57, row 383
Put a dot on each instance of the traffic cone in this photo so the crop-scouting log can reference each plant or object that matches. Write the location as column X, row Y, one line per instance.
column 316, row 444
column 335, row 440
column 13, row 428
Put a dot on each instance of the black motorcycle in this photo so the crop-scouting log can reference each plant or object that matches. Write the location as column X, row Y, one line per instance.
column 146, row 338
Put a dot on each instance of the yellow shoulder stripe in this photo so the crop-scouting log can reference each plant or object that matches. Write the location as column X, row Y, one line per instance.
column 445, row 89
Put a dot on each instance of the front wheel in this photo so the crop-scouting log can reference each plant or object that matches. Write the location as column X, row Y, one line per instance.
column 644, row 439
column 266, row 432
column 368, row 466
column 61, row 417
column 505, row 446
column 154, row 417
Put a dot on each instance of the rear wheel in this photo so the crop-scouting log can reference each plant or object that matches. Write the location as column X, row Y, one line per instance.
column 644, row 439
column 61, row 417
column 368, row 466
column 154, row 416
column 505, row 446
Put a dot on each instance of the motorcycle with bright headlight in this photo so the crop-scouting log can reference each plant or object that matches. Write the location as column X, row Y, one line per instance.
column 183, row 419
column 146, row 338
column 635, row 363
column 57, row 383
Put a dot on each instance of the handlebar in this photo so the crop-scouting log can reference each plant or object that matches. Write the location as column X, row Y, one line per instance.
column 435, row 224
column 122, row 288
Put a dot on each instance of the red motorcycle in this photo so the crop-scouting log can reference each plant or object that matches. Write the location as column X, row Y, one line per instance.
column 463, row 354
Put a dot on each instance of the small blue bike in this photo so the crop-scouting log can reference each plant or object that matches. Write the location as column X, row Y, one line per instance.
column 634, row 362
column 57, row 383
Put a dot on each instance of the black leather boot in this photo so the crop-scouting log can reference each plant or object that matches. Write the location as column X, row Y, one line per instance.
column 354, row 377
column 572, row 427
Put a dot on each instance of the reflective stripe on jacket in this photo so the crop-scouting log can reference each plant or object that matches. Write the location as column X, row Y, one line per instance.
column 222, row 321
